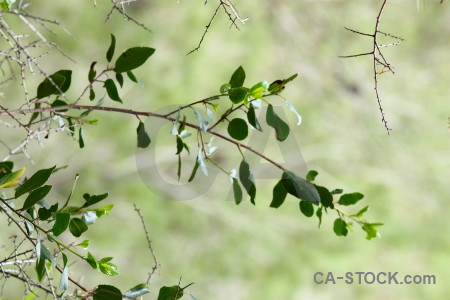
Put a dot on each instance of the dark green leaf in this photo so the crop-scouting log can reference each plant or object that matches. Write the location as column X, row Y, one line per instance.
column 61, row 79
column 45, row 213
column 81, row 138
column 311, row 175
column 108, row 268
column 326, row 198
column 139, row 290
column 273, row 120
column 180, row 145
column 91, row 94
column 306, row 208
column 194, row 171
column 319, row 215
column 170, row 293
column 92, row 73
column 300, row 188
column 132, row 58
column 238, row 78
column 91, row 200
column 35, row 196
column 350, row 199
column 107, row 292
column 40, row 269
column 57, row 103
column 251, row 117
column 237, row 191
column 276, row 87
column 45, row 254
column 77, row 227
column 132, row 77
column 238, row 95
column 360, row 213
column 179, row 167
column 287, row 80
column 35, row 181
column 6, row 167
column 143, row 140
column 340, row 227
column 247, row 180
column 61, row 222
column 238, row 129
column 119, row 78
column 279, row 195
column 112, row 47
column 337, row 191
column 91, row 260
column 371, row 230
column 111, row 89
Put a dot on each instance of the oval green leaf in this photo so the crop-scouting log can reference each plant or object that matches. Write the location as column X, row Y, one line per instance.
column 300, row 188
column 279, row 195
column 111, row 89
column 247, row 180
column 61, row 80
column 139, row 290
column 350, row 199
column 274, row 121
column 238, row 78
column 238, row 129
column 108, row 268
column 107, row 292
column 143, row 140
column 326, row 198
column 132, row 58
column 306, row 208
column 35, row 181
column 340, row 227
column 170, row 293
column 251, row 117
column 238, row 95
column 77, row 227
column 35, row 196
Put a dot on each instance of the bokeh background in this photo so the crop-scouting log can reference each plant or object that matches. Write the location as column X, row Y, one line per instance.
column 245, row 252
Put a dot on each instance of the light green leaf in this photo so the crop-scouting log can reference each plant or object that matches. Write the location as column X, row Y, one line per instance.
column 108, row 268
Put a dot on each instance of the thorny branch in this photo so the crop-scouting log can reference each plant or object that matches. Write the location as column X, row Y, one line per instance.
column 230, row 10
column 378, row 58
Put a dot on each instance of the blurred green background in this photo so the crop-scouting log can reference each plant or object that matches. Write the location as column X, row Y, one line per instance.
column 248, row 252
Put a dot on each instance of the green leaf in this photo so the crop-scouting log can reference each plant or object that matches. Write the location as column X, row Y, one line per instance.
column 81, row 138
column 350, row 199
column 225, row 88
column 179, row 167
column 238, row 129
column 84, row 244
column 57, row 103
column 139, row 290
column 279, row 195
column 238, row 95
column 35, row 181
column 337, row 191
column 6, row 167
column 251, row 117
column 40, row 269
column 326, row 198
column 306, row 208
column 112, row 47
column 132, row 58
column 311, row 175
column 237, row 191
column 119, row 78
column 134, row 79
column 180, row 145
column 108, row 268
column 77, row 227
column 238, row 78
column 247, row 180
column 276, row 87
column 258, row 89
column 91, row 94
column 300, row 188
column 371, row 230
column 104, row 210
column 92, row 73
column 35, row 196
column 61, row 222
column 107, row 292
column 287, row 80
column 170, row 293
column 194, row 171
column 319, row 215
column 6, row 4
column 143, row 139
column 92, row 261
column 340, row 227
column 91, row 200
column 360, row 213
column 11, row 179
column 61, row 79
column 45, row 213
column 274, row 121
column 111, row 89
